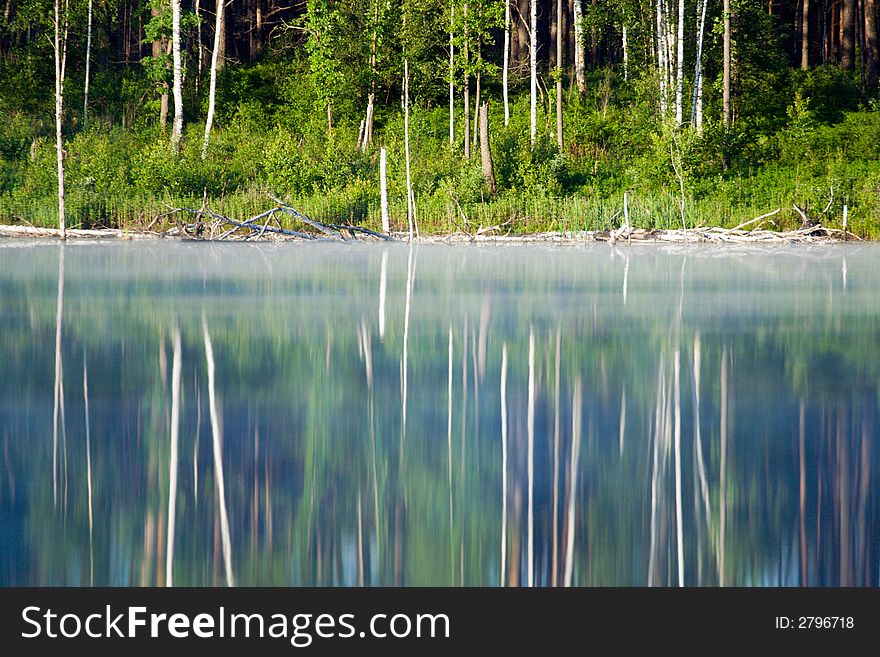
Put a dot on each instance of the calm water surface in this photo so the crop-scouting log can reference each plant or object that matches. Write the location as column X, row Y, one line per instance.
column 204, row 414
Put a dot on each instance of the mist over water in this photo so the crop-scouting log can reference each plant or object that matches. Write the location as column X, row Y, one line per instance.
column 324, row 414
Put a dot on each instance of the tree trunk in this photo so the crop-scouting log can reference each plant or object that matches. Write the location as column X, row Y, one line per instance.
column 559, row 63
column 60, row 47
column 88, row 62
column 522, row 32
column 257, row 44
column 159, row 49
column 661, row 58
column 506, row 64
column 847, row 35
column 679, row 76
column 177, row 129
column 697, row 101
column 477, row 107
column 579, row 54
column 485, row 151
column 200, row 48
column 218, row 30
column 533, row 72
column 410, row 200
column 467, row 89
column 452, row 75
column 805, row 35
column 872, row 45
column 725, row 102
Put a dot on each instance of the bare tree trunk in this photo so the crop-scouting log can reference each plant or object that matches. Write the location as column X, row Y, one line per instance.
column 410, row 200
column 477, row 107
column 533, row 70
column 805, row 35
column 579, row 65
column 625, row 54
column 847, row 35
column 177, row 128
column 60, row 47
column 661, row 57
column 522, row 32
column 200, row 48
column 697, row 100
column 215, row 57
column 725, row 102
column 485, row 151
column 159, row 49
column 679, row 76
column 467, row 89
column 872, row 45
column 452, row 75
column 257, row 43
column 559, row 63
column 506, row 67
column 88, row 62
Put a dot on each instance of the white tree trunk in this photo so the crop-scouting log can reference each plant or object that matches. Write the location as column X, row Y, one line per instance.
column 218, row 34
column 410, row 201
column 559, row 57
column 725, row 102
column 60, row 46
column 697, row 101
column 625, row 56
column 579, row 55
column 452, row 77
column 177, row 128
column 88, row 61
column 383, row 191
column 533, row 66
column 679, row 74
column 506, row 65
column 661, row 57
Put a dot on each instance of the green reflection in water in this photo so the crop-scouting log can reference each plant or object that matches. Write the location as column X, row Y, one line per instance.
column 688, row 415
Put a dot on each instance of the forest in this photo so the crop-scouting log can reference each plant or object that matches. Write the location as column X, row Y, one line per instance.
column 516, row 116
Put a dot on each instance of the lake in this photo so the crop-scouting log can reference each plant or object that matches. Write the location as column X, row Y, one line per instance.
column 326, row 414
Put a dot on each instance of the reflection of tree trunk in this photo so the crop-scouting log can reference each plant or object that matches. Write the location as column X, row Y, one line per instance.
column 576, row 401
column 217, row 440
column 503, row 462
column 843, row 495
column 554, row 559
column 679, row 534
column 802, row 497
column 89, row 472
column 530, row 554
column 58, row 406
column 383, row 282
column 449, row 461
column 722, row 514
column 172, row 461
column 405, row 365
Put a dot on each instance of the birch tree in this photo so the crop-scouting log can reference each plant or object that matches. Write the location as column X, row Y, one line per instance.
column 59, row 45
column 579, row 54
column 506, row 62
column 212, row 90
column 725, row 83
column 679, row 76
column 177, row 128
column 533, row 69
column 88, row 61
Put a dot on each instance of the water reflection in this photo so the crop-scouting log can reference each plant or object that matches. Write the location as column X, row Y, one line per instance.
column 625, row 416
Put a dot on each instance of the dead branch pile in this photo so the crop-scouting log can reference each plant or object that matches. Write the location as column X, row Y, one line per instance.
column 212, row 225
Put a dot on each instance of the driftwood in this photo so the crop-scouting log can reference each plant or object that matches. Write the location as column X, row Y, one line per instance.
column 222, row 227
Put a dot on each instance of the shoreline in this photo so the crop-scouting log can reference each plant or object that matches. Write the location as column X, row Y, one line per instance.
column 817, row 234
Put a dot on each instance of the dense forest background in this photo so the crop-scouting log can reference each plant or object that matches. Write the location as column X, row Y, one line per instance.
column 707, row 111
